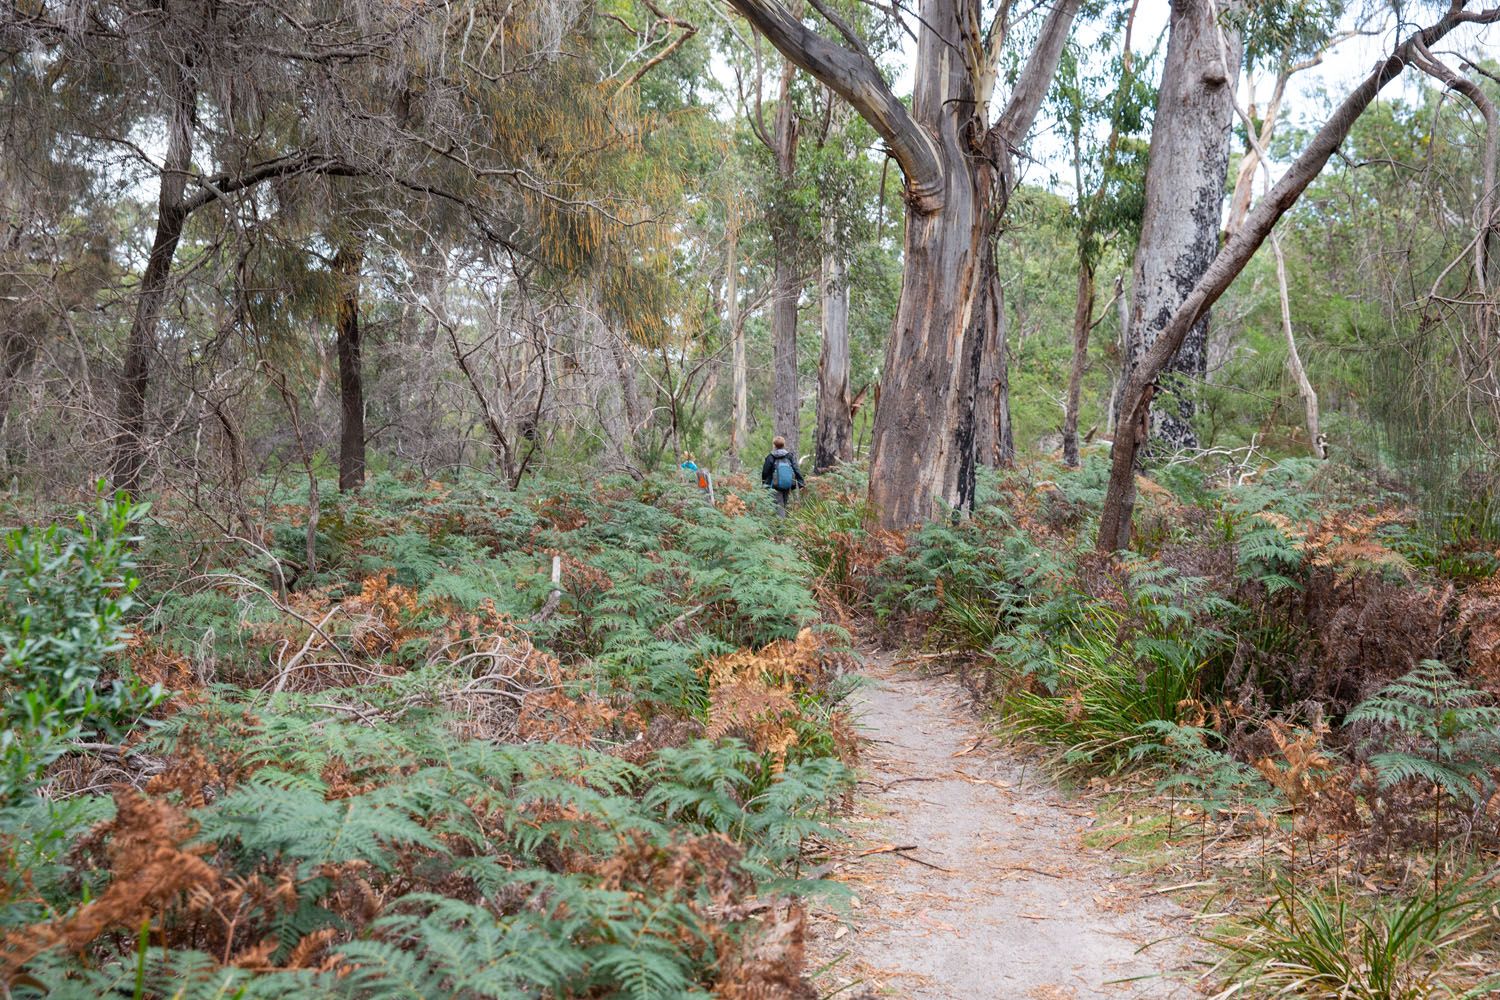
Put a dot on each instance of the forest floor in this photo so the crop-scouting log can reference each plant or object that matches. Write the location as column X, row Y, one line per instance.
column 969, row 872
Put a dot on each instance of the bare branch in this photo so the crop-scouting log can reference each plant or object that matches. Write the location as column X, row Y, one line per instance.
column 856, row 78
column 1036, row 77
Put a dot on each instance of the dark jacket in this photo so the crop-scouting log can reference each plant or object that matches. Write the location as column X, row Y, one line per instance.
column 769, row 466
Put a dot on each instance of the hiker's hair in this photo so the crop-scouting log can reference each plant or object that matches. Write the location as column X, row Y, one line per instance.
column 778, row 442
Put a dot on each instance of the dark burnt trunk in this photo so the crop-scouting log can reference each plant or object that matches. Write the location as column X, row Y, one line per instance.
column 1005, row 439
column 987, row 402
column 18, row 347
column 140, row 346
column 130, row 435
column 992, row 402
column 346, row 269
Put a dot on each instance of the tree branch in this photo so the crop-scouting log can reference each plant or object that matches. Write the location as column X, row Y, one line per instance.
column 855, row 77
column 1036, row 76
column 282, row 166
column 1236, row 253
column 687, row 30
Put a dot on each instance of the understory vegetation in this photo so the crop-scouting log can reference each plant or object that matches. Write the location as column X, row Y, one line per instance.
column 376, row 752
column 1287, row 693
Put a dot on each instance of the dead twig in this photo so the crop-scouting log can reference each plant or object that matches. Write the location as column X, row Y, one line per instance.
column 927, row 864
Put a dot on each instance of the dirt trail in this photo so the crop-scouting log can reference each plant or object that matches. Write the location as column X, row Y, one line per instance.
column 1013, row 906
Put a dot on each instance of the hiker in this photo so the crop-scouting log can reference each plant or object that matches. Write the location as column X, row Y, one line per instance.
column 696, row 473
column 779, row 471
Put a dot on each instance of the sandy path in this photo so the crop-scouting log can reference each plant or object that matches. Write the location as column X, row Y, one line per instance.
column 1019, row 908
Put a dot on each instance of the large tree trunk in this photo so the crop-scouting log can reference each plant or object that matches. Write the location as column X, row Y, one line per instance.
column 1083, row 315
column 786, row 284
column 18, row 347
column 1189, row 161
column 172, row 212
column 1119, row 499
column 958, row 180
column 739, row 424
column 922, row 442
column 835, row 441
column 346, row 268
column 994, row 445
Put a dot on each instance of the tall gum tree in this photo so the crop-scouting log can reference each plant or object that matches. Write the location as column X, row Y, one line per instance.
column 957, row 161
column 1136, row 397
column 781, row 135
column 1107, row 181
column 1185, row 178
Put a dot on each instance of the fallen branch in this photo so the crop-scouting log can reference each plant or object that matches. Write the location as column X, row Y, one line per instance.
column 1034, row 871
column 286, row 671
column 885, row 849
column 927, row 864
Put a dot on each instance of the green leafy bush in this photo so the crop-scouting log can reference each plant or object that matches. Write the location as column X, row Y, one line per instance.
column 64, row 594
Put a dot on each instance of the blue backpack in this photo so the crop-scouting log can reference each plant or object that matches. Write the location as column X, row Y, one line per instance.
column 783, row 475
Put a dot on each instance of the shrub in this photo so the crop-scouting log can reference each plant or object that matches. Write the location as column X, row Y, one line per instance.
column 1431, row 727
column 64, row 594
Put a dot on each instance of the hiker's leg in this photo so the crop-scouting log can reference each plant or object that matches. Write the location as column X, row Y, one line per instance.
column 781, row 497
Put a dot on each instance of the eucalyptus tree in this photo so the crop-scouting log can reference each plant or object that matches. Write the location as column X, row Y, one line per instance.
column 1133, row 427
column 781, row 136
column 1180, row 222
column 847, row 181
column 1106, row 183
column 956, row 154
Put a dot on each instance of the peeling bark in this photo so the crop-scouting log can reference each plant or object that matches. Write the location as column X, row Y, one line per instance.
column 1083, row 315
column 958, row 183
column 1189, row 161
column 994, row 446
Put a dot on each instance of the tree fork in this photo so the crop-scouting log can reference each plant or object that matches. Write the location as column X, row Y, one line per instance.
column 958, row 183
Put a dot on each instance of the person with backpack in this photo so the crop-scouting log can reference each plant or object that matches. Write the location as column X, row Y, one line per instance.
column 779, row 472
